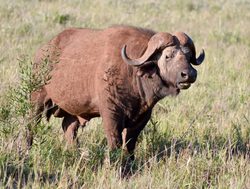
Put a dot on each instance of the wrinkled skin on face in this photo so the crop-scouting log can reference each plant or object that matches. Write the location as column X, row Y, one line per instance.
column 173, row 55
column 175, row 68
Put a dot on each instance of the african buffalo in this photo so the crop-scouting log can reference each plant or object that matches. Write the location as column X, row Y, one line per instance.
column 118, row 73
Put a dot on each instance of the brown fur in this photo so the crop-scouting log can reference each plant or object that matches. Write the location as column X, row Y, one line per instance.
column 91, row 79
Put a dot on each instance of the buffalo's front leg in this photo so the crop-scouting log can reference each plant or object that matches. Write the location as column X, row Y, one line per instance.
column 130, row 134
column 129, row 137
column 129, row 141
column 113, row 130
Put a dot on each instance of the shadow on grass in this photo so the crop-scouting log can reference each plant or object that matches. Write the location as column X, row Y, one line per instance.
column 159, row 148
column 19, row 176
column 209, row 144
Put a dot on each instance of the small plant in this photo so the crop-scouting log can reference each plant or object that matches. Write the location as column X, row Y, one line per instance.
column 17, row 109
column 16, row 116
column 62, row 18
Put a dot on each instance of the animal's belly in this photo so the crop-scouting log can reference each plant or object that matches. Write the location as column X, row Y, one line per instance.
column 73, row 105
column 72, row 93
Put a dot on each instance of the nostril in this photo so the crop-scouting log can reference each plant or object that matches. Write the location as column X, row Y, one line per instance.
column 184, row 75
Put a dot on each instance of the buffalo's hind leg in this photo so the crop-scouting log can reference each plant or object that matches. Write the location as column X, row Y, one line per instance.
column 39, row 103
column 70, row 127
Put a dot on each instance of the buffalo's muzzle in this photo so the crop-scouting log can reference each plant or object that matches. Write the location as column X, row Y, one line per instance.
column 186, row 78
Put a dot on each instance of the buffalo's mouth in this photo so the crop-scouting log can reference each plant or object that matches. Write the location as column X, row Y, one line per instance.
column 183, row 85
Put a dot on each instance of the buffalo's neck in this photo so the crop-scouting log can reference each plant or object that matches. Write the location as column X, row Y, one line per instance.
column 147, row 96
column 153, row 89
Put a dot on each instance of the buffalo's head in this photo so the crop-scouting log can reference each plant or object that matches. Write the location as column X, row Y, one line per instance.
column 173, row 56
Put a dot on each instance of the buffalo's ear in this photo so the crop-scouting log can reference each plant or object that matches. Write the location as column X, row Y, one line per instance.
column 149, row 70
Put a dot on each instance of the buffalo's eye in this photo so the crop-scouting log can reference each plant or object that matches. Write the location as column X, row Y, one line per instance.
column 167, row 57
column 170, row 53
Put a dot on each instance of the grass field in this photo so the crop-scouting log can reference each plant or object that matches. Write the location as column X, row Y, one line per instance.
column 200, row 139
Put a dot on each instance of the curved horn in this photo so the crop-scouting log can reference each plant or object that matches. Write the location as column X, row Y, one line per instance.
column 156, row 42
column 131, row 62
column 186, row 41
column 127, row 59
column 200, row 59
